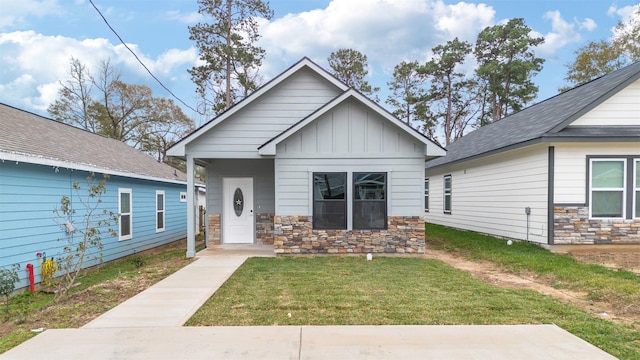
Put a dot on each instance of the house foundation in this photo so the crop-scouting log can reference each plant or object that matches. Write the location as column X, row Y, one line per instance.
column 295, row 235
column 571, row 225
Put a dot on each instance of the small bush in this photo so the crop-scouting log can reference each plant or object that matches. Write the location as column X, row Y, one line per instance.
column 8, row 280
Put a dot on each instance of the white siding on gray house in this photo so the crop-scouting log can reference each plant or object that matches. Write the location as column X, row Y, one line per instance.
column 265, row 118
column 570, row 185
column 350, row 138
column 489, row 195
column 622, row 109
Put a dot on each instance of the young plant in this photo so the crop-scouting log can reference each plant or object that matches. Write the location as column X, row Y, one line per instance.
column 89, row 230
column 8, row 280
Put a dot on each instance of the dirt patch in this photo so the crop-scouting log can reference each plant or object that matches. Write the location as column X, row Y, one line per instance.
column 497, row 276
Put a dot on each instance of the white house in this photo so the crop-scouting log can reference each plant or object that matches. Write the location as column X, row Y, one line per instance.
column 311, row 166
column 563, row 171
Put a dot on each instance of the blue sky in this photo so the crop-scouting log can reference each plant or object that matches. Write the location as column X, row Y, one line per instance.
column 38, row 37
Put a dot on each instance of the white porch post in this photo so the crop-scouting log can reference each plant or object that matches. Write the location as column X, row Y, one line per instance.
column 191, row 208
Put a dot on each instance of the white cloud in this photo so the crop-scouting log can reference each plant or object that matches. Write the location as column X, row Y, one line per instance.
column 588, row 24
column 34, row 64
column 14, row 12
column 562, row 34
column 630, row 18
column 187, row 18
column 387, row 31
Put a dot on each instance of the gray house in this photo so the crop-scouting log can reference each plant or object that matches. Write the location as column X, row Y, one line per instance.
column 563, row 171
column 311, row 166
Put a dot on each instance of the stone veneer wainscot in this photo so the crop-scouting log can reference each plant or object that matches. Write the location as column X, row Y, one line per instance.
column 571, row 225
column 264, row 229
column 295, row 235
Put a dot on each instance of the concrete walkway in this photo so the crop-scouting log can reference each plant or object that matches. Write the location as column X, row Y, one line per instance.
column 149, row 326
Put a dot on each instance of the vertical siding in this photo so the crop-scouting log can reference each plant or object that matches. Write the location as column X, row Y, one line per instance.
column 571, row 167
column 621, row 109
column 29, row 193
column 350, row 138
column 265, row 118
column 489, row 195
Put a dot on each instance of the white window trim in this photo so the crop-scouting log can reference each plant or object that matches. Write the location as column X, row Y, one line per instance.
column 635, row 187
column 624, row 187
column 183, row 196
column 427, row 194
column 444, row 194
column 163, row 211
column 130, row 213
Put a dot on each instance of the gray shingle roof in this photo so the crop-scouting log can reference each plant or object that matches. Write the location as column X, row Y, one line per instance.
column 44, row 140
column 545, row 119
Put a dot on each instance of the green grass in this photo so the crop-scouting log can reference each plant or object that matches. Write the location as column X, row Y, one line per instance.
column 621, row 287
column 332, row 290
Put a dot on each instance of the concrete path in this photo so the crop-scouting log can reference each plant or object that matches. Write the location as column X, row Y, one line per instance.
column 149, row 326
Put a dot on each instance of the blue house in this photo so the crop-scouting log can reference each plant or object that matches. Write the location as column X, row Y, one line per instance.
column 40, row 159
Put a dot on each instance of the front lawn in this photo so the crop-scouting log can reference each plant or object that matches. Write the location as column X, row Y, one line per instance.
column 334, row 290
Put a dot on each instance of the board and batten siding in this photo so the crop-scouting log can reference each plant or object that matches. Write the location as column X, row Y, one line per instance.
column 265, row 118
column 29, row 193
column 489, row 195
column 263, row 182
column 621, row 109
column 571, row 183
column 350, row 138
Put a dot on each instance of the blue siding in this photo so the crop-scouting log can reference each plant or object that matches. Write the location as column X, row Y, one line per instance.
column 29, row 193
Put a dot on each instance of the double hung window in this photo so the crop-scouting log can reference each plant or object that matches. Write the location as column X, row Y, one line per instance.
column 125, row 213
column 426, row 195
column 614, row 187
column 329, row 201
column 369, row 201
column 447, row 194
column 159, row 210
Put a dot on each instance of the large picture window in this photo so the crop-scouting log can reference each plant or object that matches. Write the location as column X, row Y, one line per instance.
column 329, row 201
column 125, row 214
column 447, row 194
column 159, row 210
column 369, row 201
column 608, row 188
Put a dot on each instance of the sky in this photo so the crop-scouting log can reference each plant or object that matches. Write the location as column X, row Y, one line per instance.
column 39, row 37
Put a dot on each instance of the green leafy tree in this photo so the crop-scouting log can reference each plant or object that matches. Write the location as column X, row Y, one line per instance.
column 506, row 66
column 108, row 106
column 599, row 58
column 83, row 241
column 408, row 98
column 452, row 95
column 351, row 67
column 227, row 50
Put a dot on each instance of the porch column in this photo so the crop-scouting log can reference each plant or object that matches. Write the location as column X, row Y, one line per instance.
column 191, row 208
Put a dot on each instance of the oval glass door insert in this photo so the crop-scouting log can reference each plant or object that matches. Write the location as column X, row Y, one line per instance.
column 238, row 202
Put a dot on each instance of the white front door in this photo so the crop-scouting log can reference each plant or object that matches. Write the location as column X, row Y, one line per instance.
column 237, row 215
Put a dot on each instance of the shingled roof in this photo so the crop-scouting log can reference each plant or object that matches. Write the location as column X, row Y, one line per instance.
column 27, row 137
column 546, row 121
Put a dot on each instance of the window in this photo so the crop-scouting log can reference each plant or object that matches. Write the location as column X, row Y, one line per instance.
column 125, row 214
column 607, row 188
column 369, row 201
column 637, row 190
column 447, row 194
column 426, row 194
column 159, row 210
column 329, row 201
column 183, row 196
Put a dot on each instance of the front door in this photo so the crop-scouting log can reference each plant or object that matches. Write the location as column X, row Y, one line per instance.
column 237, row 215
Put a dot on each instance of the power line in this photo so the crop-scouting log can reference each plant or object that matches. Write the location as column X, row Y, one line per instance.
column 140, row 61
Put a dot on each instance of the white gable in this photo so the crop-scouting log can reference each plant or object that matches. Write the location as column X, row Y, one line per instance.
column 351, row 130
column 264, row 118
column 621, row 109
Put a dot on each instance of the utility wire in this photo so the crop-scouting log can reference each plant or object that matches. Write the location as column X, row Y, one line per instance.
column 140, row 61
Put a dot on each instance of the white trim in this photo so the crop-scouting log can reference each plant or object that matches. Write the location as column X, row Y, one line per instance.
column 130, row 213
column 623, row 189
column 269, row 148
column 636, row 188
column 39, row 160
column 183, row 196
column 179, row 149
column 444, row 193
column 163, row 211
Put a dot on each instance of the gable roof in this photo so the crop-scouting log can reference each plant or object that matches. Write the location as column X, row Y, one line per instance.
column 431, row 148
column 31, row 138
column 547, row 120
column 178, row 149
